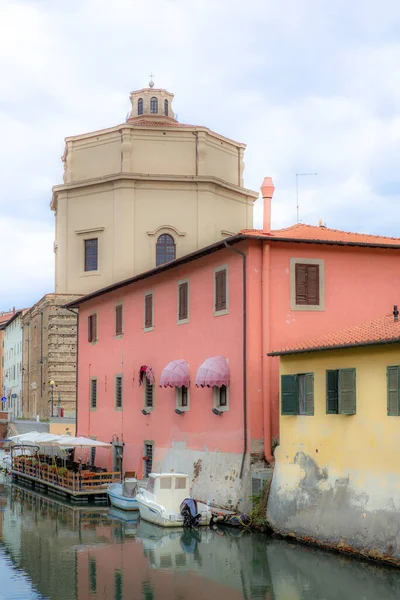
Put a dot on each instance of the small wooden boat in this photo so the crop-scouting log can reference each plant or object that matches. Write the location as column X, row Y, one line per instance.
column 161, row 502
column 123, row 495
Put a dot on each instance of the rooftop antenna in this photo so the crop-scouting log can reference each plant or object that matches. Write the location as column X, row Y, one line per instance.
column 297, row 190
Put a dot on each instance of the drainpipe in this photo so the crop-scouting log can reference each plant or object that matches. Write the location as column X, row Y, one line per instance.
column 267, row 191
column 243, row 255
column 76, row 370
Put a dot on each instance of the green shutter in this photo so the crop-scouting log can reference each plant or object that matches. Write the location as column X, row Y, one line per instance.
column 309, row 394
column 347, row 391
column 289, row 394
column 332, row 392
column 392, row 376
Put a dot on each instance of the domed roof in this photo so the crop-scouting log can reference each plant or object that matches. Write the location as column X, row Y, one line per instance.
column 151, row 104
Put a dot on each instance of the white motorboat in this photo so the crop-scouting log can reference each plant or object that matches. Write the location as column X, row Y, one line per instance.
column 123, row 495
column 161, row 502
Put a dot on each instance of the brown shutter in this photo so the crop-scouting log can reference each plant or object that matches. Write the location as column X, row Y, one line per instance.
column 90, row 329
column 307, row 284
column 313, row 285
column 94, row 328
column 148, row 311
column 220, row 290
column 183, row 301
column 301, row 284
column 118, row 319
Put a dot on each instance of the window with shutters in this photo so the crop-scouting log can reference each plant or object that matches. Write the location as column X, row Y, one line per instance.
column 183, row 302
column 221, row 291
column 393, row 391
column 297, row 394
column 92, row 328
column 341, row 392
column 148, row 394
column 93, row 392
column 307, row 281
column 119, row 319
column 221, row 397
column 182, row 398
column 148, row 311
column 91, row 255
column 118, row 392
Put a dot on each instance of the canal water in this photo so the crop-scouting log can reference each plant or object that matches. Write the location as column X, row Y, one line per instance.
column 51, row 550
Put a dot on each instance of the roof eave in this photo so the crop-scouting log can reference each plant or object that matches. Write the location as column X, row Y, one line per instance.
column 337, row 347
column 161, row 269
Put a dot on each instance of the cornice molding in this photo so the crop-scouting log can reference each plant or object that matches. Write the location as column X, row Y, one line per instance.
column 167, row 227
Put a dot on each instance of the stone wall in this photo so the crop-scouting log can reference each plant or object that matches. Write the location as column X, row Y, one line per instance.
column 49, row 355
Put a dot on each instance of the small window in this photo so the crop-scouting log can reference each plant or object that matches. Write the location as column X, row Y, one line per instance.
column 140, row 106
column 297, row 394
column 183, row 301
column 221, row 397
column 220, row 290
column 92, row 458
column 118, row 391
column 393, row 391
column 92, row 328
column 180, row 483
column 148, row 311
column 307, row 284
column 148, row 394
column 154, row 105
column 118, row 319
column 166, row 108
column 165, row 483
column 341, row 392
column 148, row 465
column 182, row 398
column 35, row 335
column 93, row 392
column 165, row 249
column 91, row 255
column 118, row 585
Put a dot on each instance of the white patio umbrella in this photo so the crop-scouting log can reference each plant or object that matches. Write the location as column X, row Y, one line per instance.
column 80, row 442
column 36, row 438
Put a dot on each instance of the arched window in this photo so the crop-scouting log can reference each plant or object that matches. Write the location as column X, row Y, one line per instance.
column 165, row 249
column 140, row 106
column 166, row 108
column 154, row 105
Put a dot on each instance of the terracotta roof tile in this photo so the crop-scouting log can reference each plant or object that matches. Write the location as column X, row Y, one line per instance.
column 384, row 330
column 309, row 233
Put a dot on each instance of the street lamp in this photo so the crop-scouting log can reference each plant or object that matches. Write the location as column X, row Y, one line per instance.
column 52, row 396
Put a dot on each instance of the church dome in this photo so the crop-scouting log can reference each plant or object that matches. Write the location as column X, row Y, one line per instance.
column 151, row 104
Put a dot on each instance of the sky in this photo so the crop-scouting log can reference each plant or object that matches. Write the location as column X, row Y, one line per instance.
column 311, row 86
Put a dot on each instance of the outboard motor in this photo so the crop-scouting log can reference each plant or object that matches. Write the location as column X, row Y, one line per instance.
column 188, row 508
column 130, row 487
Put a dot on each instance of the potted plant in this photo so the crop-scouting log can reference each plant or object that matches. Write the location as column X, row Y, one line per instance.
column 62, row 471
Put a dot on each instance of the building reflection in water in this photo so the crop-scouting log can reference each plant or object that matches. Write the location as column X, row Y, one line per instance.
column 92, row 553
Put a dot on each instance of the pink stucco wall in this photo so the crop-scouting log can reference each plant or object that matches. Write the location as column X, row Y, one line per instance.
column 360, row 284
column 204, row 336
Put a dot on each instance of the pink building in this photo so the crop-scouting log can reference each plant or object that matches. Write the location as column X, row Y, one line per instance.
column 215, row 314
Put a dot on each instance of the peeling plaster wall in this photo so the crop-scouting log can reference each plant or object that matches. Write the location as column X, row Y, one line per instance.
column 214, row 475
column 336, row 478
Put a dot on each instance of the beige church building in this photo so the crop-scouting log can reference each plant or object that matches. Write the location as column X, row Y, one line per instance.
column 143, row 193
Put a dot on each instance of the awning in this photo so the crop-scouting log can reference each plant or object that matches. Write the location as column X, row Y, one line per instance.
column 148, row 372
column 81, row 442
column 213, row 372
column 175, row 374
column 37, row 439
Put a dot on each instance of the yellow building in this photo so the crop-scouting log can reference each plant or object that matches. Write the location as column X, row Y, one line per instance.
column 143, row 193
column 337, row 468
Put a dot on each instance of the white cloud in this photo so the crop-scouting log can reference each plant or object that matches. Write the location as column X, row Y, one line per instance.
column 309, row 86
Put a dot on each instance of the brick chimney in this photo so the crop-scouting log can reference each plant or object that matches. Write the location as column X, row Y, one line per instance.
column 267, row 190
